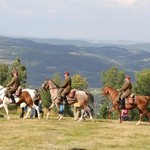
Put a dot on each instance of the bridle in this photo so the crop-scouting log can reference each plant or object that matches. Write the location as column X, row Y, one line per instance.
column 48, row 85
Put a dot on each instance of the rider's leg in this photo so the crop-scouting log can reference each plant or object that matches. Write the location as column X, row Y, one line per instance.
column 59, row 93
column 122, row 101
column 63, row 95
column 10, row 94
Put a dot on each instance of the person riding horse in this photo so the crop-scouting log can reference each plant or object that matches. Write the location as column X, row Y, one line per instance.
column 13, row 85
column 125, row 91
column 65, row 88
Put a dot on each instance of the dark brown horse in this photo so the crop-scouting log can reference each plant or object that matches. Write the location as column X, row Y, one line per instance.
column 140, row 102
column 82, row 97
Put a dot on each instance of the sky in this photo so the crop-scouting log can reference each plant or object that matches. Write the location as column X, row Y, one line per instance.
column 76, row 19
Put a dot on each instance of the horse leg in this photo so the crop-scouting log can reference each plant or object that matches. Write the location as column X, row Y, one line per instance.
column 76, row 113
column 110, row 112
column 48, row 110
column 141, row 116
column 27, row 114
column 119, row 112
column 82, row 114
column 37, row 109
column 89, row 112
column 147, row 113
column 6, row 110
column 22, row 113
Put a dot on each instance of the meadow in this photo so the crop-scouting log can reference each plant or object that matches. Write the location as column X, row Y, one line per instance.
column 67, row 134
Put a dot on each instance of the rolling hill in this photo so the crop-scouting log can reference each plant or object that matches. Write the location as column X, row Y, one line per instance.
column 43, row 59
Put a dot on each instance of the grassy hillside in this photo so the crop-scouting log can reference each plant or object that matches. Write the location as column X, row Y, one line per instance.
column 33, row 134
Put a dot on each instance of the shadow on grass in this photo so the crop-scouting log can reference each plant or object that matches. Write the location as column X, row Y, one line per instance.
column 77, row 149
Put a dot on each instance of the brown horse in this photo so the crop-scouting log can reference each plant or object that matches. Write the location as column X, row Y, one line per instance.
column 28, row 96
column 140, row 102
column 82, row 97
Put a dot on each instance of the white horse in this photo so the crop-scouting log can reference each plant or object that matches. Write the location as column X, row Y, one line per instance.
column 26, row 96
column 82, row 97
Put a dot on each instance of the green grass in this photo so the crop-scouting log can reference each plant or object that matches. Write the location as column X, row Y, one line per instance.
column 43, row 134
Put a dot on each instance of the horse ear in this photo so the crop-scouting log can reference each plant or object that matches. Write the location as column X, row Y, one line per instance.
column 108, row 85
column 46, row 79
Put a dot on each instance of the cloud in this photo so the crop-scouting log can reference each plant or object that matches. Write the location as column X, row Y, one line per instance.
column 127, row 2
column 3, row 5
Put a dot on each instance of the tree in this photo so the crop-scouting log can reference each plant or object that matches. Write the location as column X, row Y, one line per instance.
column 142, row 85
column 4, row 73
column 46, row 99
column 79, row 82
column 57, row 78
column 113, row 77
column 22, row 71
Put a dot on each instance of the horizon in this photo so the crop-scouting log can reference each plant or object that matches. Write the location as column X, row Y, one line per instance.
column 93, row 41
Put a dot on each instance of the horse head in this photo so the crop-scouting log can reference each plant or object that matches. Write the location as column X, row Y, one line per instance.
column 49, row 84
column 45, row 84
column 105, row 90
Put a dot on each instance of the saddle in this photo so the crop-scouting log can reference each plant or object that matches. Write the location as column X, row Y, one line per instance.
column 131, row 99
column 18, row 92
column 71, row 95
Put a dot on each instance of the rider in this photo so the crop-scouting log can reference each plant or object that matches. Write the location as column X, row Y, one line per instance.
column 13, row 85
column 125, row 91
column 65, row 88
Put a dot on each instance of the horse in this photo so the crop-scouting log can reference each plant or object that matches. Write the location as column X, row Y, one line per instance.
column 82, row 97
column 140, row 102
column 27, row 96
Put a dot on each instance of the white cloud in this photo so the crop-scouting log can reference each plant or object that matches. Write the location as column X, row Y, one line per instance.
column 127, row 2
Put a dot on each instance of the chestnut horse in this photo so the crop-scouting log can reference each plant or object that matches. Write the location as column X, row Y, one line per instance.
column 82, row 97
column 140, row 102
column 26, row 96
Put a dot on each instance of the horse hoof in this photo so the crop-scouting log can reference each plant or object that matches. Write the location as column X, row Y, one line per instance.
column 138, row 123
column 60, row 118
column 80, row 120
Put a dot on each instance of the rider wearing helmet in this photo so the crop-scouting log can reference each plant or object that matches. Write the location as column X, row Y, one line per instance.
column 65, row 87
column 13, row 85
column 125, row 91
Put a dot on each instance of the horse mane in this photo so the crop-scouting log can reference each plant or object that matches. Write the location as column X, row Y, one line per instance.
column 55, row 83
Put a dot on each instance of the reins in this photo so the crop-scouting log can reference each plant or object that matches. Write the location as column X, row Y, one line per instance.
column 56, row 86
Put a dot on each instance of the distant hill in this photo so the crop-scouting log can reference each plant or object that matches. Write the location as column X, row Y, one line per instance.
column 43, row 59
column 84, row 43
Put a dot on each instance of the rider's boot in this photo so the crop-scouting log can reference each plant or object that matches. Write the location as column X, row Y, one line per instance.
column 13, row 99
column 64, row 100
column 122, row 103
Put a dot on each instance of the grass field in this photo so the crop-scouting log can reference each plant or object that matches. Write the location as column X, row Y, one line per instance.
column 67, row 134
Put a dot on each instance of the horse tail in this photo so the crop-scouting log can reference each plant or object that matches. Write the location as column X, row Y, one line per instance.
column 90, row 97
